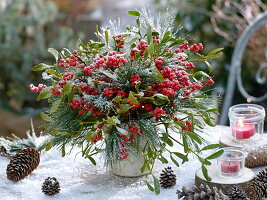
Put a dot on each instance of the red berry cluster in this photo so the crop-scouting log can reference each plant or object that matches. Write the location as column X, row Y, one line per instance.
column 84, row 106
column 36, row 89
column 135, row 79
column 133, row 129
column 113, row 59
column 133, row 53
column 119, row 41
column 158, row 112
column 68, row 76
column 71, row 61
column 182, row 48
column 142, row 46
column 196, row 47
column 159, row 62
column 112, row 92
column 88, row 70
column 97, row 138
column 88, row 90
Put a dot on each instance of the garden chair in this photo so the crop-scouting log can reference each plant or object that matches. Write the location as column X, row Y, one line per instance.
column 235, row 70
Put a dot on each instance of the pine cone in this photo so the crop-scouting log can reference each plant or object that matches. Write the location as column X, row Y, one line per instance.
column 167, row 178
column 50, row 186
column 22, row 164
column 236, row 193
column 201, row 193
column 256, row 190
column 262, row 176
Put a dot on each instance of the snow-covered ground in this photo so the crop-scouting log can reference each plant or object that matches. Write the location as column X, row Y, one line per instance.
column 80, row 180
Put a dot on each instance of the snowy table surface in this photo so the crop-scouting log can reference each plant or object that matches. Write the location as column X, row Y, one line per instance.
column 80, row 180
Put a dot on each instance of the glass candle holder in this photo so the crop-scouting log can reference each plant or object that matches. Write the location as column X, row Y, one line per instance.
column 246, row 122
column 231, row 162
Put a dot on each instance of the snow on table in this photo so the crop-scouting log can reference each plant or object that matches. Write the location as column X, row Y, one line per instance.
column 80, row 180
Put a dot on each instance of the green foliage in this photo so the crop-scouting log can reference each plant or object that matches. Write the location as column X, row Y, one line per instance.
column 27, row 29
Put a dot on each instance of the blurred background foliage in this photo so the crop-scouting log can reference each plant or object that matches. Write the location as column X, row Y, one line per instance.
column 27, row 30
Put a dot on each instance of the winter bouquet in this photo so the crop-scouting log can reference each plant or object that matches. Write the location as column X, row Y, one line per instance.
column 133, row 91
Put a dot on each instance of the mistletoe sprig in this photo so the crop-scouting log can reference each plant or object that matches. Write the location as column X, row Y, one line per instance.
column 131, row 85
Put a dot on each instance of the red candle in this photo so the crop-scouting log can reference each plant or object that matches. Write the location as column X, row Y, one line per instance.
column 243, row 130
column 230, row 166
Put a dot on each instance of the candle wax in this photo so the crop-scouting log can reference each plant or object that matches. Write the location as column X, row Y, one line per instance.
column 230, row 166
column 245, row 131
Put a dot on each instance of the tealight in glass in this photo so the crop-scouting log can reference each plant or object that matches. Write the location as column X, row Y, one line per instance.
column 231, row 162
column 246, row 122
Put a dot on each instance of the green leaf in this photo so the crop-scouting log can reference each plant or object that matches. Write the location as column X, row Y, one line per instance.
column 113, row 121
column 157, row 74
column 174, row 161
column 63, row 151
column 67, row 88
column 55, row 105
column 124, row 108
column 122, row 131
column 163, row 159
column 166, row 37
column 185, row 144
column 134, row 40
column 156, row 185
column 89, row 136
column 211, row 146
column 52, row 72
column 44, row 94
column 181, row 156
column 194, row 137
column 176, row 42
column 167, row 140
column 54, row 52
column 41, row 67
column 107, row 35
column 45, row 117
column 205, row 173
column 209, row 66
column 160, row 99
column 215, row 51
column 149, row 34
column 212, row 110
column 48, row 146
column 91, row 159
column 215, row 56
column 150, row 187
column 132, row 98
column 215, row 155
column 201, row 73
column 134, row 13
column 180, row 124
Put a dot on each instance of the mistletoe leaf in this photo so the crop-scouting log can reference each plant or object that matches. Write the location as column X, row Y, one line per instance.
column 209, row 147
column 132, row 98
column 41, row 67
column 205, row 173
column 215, row 155
column 67, row 88
column 150, row 187
column 156, row 185
column 54, row 52
column 134, row 13
column 44, row 94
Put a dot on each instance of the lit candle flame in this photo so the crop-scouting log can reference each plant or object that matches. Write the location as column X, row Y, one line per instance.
column 240, row 122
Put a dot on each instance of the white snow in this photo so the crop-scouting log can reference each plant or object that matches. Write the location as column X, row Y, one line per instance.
column 80, row 180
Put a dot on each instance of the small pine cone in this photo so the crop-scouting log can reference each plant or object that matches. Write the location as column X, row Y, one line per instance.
column 262, row 176
column 50, row 186
column 22, row 164
column 201, row 193
column 167, row 178
column 236, row 193
column 255, row 191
